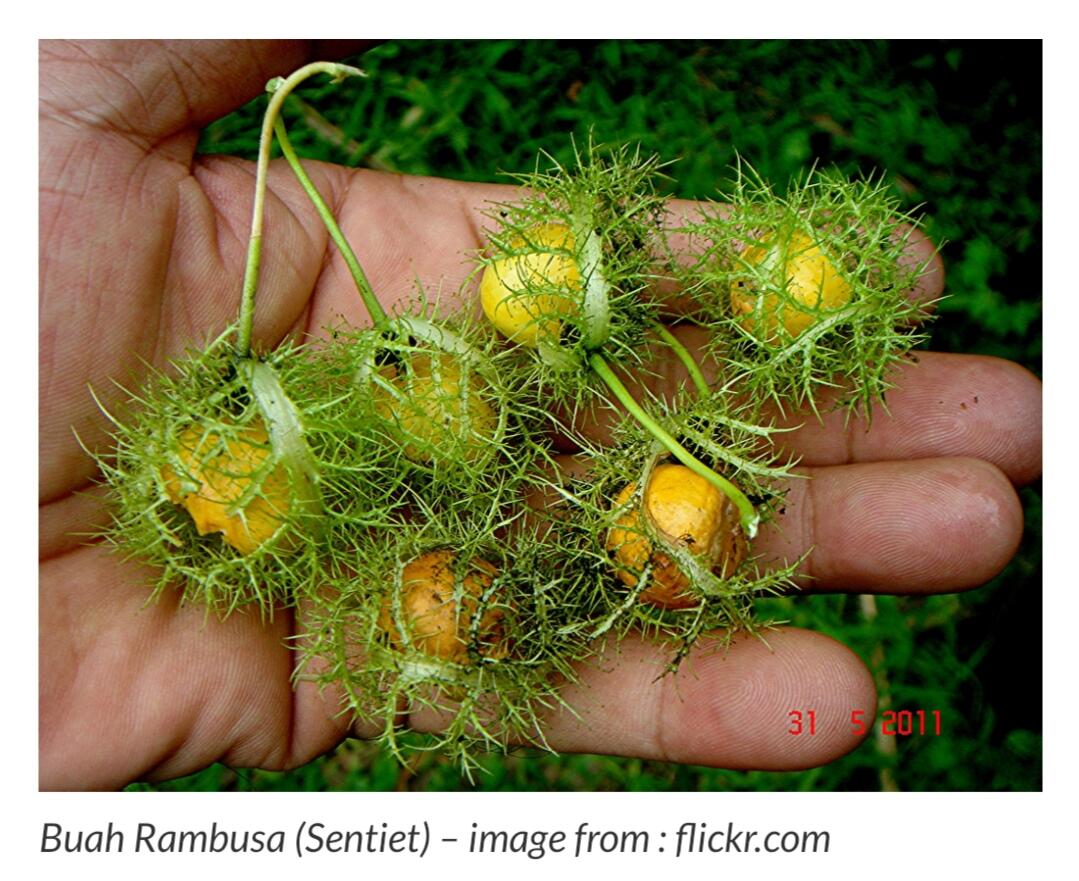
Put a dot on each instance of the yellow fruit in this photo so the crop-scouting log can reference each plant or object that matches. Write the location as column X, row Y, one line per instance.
column 435, row 625
column 220, row 482
column 434, row 413
column 687, row 511
column 522, row 296
column 797, row 266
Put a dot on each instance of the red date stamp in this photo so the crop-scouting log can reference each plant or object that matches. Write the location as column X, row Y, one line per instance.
column 893, row 723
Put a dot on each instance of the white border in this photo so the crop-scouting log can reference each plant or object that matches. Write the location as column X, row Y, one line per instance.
column 880, row 836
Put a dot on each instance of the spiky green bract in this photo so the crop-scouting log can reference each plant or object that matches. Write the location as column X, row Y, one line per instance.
column 439, row 413
column 430, row 394
column 608, row 203
column 261, row 447
column 496, row 690
column 861, row 231
column 718, row 432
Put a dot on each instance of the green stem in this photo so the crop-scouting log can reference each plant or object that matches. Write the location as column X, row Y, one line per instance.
column 749, row 517
column 688, row 361
column 367, row 294
column 280, row 89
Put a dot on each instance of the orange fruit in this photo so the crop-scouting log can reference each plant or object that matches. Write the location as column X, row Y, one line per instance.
column 436, row 626
column 214, row 483
column 688, row 511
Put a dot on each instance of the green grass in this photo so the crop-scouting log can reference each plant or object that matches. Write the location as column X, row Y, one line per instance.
column 951, row 128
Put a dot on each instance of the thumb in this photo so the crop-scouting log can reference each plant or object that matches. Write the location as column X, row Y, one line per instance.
column 151, row 90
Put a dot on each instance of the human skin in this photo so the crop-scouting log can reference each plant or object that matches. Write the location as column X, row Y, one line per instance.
column 142, row 247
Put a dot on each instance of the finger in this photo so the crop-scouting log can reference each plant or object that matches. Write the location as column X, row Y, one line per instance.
column 151, row 90
column 729, row 709
column 942, row 405
column 921, row 252
column 445, row 224
column 931, row 526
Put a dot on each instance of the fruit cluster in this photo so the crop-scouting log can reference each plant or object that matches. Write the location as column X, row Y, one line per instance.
column 400, row 479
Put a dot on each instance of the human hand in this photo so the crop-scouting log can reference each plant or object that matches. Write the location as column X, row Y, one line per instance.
column 142, row 246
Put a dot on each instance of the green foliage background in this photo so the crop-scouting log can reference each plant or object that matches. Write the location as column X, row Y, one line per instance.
column 952, row 129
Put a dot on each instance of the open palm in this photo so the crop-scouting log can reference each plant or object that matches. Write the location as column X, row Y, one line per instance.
column 142, row 248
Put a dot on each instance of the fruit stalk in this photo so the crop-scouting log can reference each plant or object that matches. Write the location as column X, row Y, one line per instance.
column 280, row 89
column 363, row 286
column 749, row 517
column 683, row 355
